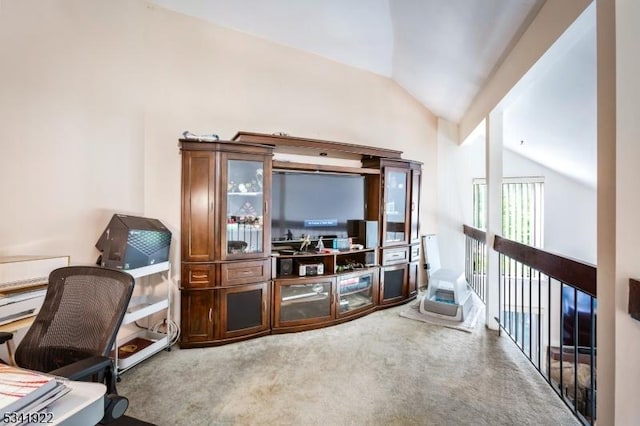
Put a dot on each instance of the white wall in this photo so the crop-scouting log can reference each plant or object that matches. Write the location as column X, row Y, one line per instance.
column 627, row 205
column 458, row 165
column 96, row 94
column 569, row 209
column 552, row 20
column 71, row 124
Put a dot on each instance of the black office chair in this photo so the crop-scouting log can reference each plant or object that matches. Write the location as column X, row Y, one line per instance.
column 76, row 328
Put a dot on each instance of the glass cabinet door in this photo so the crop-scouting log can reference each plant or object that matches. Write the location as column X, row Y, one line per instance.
column 246, row 180
column 395, row 213
column 356, row 291
column 303, row 301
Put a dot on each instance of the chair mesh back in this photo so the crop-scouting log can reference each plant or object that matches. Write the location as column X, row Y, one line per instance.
column 80, row 317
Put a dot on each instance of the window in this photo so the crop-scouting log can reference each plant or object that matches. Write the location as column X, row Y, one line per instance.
column 522, row 208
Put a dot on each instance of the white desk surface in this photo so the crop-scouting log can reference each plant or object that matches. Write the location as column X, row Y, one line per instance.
column 82, row 406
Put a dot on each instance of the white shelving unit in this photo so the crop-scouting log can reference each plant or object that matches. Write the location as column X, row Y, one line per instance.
column 140, row 308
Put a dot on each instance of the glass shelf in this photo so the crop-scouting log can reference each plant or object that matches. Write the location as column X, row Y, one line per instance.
column 245, row 207
column 395, row 205
column 356, row 290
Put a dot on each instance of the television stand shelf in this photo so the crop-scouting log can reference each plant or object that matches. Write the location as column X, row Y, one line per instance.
column 333, row 262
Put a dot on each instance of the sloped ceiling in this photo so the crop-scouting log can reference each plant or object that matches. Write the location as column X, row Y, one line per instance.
column 552, row 116
column 440, row 51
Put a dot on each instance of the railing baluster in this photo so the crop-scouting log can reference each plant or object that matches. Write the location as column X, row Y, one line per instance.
column 592, row 362
column 475, row 256
column 576, row 343
column 508, row 307
column 522, row 336
column 561, row 334
column 549, row 328
column 539, row 319
column 551, row 270
column 500, row 293
column 530, row 317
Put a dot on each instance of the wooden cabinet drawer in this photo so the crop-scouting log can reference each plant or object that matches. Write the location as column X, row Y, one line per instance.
column 233, row 273
column 394, row 256
column 415, row 253
column 198, row 276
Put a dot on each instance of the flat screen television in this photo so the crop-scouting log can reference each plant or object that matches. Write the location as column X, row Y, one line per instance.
column 572, row 301
column 314, row 204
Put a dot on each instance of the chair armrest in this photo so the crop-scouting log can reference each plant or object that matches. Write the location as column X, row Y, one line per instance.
column 84, row 368
column 5, row 337
column 114, row 404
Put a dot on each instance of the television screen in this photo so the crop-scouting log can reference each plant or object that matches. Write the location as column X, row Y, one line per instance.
column 572, row 301
column 314, row 204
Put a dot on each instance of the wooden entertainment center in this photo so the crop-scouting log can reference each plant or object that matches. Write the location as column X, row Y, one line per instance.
column 238, row 281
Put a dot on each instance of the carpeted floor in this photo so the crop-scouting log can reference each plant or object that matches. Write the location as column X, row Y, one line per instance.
column 378, row 370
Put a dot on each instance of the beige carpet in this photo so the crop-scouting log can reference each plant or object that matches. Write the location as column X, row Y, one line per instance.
column 378, row 370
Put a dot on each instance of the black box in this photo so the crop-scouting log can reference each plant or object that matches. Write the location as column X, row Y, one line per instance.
column 131, row 242
column 286, row 267
column 365, row 231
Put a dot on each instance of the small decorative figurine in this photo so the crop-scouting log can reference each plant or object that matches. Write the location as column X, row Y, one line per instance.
column 306, row 242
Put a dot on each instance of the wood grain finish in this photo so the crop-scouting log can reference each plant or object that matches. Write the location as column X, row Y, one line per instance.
column 306, row 167
column 216, row 285
column 245, row 272
column 310, row 310
column 414, row 208
column 197, row 206
column 250, row 301
column 226, row 293
column 306, row 146
column 198, row 275
column 393, row 256
column 196, row 316
column 262, row 210
column 475, row 233
column 574, row 272
column 393, row 284
column 414, row 253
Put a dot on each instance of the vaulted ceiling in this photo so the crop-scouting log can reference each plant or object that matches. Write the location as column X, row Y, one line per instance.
column 442, row 52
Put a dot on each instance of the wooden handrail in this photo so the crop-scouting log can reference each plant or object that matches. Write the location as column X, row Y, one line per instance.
column 580, row 275
column 475, row 233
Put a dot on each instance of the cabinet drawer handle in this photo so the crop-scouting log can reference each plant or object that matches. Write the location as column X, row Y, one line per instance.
column 199, row 276
column 245, row 272
column 396, row 255
column 210, row 309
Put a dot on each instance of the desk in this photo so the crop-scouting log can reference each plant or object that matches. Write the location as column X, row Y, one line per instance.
column 17, row 325
column 82, row 406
